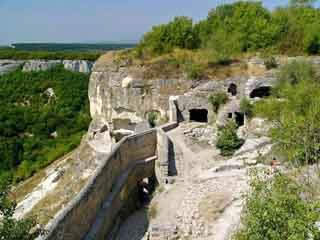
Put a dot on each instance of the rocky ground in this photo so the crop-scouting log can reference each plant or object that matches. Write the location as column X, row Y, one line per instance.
column 48, row 192
column 206, row 200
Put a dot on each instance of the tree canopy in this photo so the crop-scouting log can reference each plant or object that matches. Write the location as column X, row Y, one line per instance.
column 293, row 29
column 36, row 126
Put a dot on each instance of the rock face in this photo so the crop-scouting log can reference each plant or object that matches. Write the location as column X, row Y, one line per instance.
column 78, row 66
column 121, row 97
column 7, row 66
column 39, row 65
column 82, row 66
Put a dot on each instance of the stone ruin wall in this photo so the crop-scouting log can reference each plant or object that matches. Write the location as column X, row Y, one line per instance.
column 93, row 214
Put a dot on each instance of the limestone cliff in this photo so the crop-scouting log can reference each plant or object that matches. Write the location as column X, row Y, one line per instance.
column 121, row 97
column 7, row 66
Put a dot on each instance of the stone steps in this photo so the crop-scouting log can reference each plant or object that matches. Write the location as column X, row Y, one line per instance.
column 163, row 232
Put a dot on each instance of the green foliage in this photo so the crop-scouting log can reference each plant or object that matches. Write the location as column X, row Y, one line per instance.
column 237, row 19
column 218, row 99
column 294, row 110
column 164, row 38
column 222, row 46
column 299, row 30
column 72, row 47
column 229, row 29
column 228, row 140
column 295, row 72
column 65, row 51
column 29, row 117
column 246, row 107
column 194, row 71
column 152, row 118
column 302, row 3
column 270, row 62
column 10, row 228
column 275, row 209
column 9, row 53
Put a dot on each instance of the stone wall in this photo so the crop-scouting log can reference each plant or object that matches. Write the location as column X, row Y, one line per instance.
column 97, row 209
column 77, row 218
column 163, row 150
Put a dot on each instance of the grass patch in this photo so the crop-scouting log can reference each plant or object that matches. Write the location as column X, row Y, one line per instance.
column 213, row 206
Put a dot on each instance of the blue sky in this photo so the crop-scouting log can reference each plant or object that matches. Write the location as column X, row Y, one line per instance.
column 93, row 20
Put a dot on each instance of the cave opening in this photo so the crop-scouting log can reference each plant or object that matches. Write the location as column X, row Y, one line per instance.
column 232, row 89
column 261, row 92
column 199, row 115
column 239, row 118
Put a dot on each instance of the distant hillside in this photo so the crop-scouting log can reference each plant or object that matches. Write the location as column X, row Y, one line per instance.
column 71, row 46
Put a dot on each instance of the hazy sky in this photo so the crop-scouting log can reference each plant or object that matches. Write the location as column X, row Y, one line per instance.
column 93, row 20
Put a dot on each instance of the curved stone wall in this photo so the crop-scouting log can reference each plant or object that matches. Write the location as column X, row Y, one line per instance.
column 94, row 212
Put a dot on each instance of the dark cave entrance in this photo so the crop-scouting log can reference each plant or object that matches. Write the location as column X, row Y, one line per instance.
column 261, row 92
column 199, row 115
column 232, row 89
column 239, row 118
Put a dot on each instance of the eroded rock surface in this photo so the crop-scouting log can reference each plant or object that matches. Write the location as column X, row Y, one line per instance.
column 82, row 66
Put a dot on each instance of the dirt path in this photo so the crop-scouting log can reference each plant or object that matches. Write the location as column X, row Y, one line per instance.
column 206, row 200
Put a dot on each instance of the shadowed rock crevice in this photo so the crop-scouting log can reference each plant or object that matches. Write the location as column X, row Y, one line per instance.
column 199, row 115
column 261, row 92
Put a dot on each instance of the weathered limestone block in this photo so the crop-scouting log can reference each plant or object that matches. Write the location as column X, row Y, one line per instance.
column 39, row 65
column 82, row 66
column 121, row 92
column 7, row 66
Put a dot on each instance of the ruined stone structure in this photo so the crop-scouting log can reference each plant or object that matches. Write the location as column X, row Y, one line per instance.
column 120, row 101
column 113, row 191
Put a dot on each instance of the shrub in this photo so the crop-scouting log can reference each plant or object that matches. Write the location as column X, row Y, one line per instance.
column 296, row 72
column 270, row 62
column 246, row 107
column 10, row 228
column 218, row 99
column 164, row 38
column 222, row 46
column 228, row 140
column 194, row 71
column 296, row 116
column 152, row 118
column 275, row 209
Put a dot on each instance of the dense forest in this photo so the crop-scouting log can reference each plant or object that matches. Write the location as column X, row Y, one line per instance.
column 14, row 54
column 43, row 116
column 51, row 51
column 56, row 47
column 243, row 26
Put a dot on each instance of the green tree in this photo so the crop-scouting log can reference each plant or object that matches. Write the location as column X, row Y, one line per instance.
column 302, row 3
column 294, row 111
column 237, row 18
column 29, row 117
column 275, row 209
column 228, row 141
column 10, row 228
column 164, row 38
column 246, row 107
column 218, row 99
